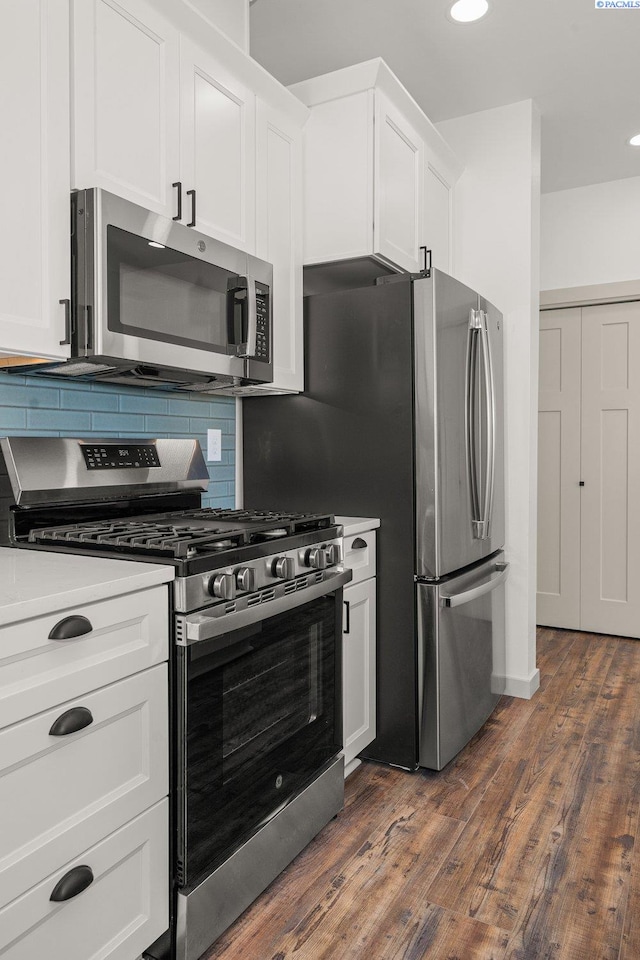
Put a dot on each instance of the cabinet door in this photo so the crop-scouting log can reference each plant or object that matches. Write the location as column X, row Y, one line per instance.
column 126, row 96
column 124, row 908
column 34, row 170
column 436, row 213
column 359, row 668
column 65, row 790
column 279, row 236
column 399, row 169
column 217, row 148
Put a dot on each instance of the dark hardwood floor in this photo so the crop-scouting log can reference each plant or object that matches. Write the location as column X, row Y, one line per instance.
column 523, row 847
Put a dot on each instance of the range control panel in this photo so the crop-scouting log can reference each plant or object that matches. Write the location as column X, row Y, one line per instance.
column 116, row 456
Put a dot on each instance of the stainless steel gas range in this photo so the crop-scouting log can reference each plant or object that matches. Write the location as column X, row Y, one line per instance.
column 255, row 664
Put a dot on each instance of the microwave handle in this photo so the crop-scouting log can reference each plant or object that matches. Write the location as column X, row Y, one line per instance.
column 247, row 349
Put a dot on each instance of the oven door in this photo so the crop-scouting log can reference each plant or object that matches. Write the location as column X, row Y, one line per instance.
column 160, row 293
column 259, row 717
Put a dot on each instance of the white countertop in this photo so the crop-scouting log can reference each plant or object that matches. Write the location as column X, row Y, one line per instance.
column 34, row 582
column 354, row 525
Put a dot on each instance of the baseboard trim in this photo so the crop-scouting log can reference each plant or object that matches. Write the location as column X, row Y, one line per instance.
column 522, row 687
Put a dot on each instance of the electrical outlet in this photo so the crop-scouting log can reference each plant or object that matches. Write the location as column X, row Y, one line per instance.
column 214, row 445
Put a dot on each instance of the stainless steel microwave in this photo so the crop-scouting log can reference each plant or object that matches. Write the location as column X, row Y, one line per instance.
column 156, row 303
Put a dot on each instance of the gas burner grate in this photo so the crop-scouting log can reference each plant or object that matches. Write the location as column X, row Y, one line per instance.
column 274, row 523
column 143, row 537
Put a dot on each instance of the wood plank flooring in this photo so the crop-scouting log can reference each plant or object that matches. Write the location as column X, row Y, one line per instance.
column 523, row 848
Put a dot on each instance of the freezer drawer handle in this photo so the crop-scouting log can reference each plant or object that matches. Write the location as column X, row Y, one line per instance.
column 459, row 598
column 70, row 628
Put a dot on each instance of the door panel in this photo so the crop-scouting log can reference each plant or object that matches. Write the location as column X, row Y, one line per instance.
column 217, row 140
column 399, row 186
column 558, row 599
column 445, row 532
column 611, row 469
column 125, row 69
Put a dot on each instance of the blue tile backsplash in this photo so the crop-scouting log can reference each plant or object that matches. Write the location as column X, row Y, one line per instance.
column 44, row 407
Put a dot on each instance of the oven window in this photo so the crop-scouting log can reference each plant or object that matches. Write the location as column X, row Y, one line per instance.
column 261, row 720
column 158, row 293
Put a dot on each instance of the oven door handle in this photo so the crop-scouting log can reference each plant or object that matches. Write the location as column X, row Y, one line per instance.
column 201, row 626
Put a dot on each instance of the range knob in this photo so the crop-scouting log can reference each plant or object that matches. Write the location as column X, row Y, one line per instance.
column 316, row 557
column 284, row 568
column 334, row 554
column 246, row 579
column 223, row 586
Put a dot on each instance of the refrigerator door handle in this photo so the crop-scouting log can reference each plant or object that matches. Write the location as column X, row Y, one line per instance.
column 490, row 400
column 458, row 599
column 470, row 415
column 481, row 507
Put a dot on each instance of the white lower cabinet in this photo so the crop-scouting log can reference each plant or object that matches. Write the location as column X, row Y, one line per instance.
column 359, row 648
column 84, row 868
column 119, row 912
column 63, row 792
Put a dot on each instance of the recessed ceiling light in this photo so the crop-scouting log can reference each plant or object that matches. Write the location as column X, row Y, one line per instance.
column 154, row 243
column 635, row 141
column 464, row 11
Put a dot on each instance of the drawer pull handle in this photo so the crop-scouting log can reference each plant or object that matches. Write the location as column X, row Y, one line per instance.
column 72, row 884
column 70, row 627
column 71, row 721
column 358, row 544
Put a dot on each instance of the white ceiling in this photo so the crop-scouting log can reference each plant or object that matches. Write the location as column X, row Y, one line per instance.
column 580, row 64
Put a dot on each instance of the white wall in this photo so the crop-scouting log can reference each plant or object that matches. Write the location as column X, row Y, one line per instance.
column 496, row 226
column 230, row 16
column 591, row 235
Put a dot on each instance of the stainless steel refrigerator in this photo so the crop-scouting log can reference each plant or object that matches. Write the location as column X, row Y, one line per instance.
column 402, row 419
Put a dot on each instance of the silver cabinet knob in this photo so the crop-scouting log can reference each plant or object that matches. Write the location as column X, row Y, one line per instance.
column 223, row 586
column 246, row 579
column 284, row 568
column 316, row 558
column 334, row 554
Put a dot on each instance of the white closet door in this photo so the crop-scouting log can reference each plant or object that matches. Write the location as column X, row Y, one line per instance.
column 611, row 469
column 558, row 600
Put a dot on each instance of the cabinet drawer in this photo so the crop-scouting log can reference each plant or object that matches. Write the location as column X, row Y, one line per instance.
column 125, row 634
column 360, row 555
column 122, row 911
column 62, row 793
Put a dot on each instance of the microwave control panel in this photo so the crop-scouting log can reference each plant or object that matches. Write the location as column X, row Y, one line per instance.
column 262, row 324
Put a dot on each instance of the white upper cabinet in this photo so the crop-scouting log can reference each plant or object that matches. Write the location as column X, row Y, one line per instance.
column 279, row 237
column 163, row 113
column 160, row 120
column 376, row 171
column 126, row 102
column 398, row 158
column 435, row 229
column 34, row 170
column 217, row 148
